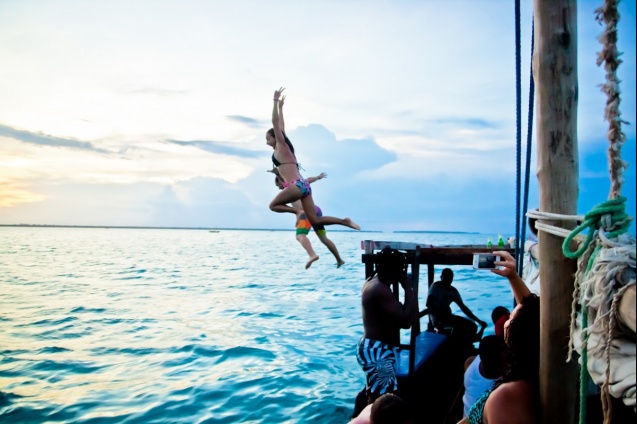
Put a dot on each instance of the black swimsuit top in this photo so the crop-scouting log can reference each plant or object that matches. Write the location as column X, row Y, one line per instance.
column 277, row 163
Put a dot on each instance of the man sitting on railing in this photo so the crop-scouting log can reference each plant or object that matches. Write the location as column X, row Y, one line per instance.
column 441, row 294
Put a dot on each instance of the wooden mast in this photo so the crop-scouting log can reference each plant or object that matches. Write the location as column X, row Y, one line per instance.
column 555, row 74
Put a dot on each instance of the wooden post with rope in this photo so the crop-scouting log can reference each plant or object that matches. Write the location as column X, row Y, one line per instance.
column 555, row 74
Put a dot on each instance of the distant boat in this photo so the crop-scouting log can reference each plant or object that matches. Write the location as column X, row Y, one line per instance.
column 214, row 231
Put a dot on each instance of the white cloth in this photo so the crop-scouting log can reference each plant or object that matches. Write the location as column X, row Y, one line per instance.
column 531, row 266
column 622, row 380
column 474, row 385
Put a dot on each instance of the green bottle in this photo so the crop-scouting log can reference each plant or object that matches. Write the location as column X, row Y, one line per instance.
column 489, row 244
column 500, row 241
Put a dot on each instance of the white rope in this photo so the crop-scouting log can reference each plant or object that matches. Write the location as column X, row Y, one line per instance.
column 554, row 216
column 552, row 229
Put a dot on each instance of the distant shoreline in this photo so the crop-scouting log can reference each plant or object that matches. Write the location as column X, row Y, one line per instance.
column 133, row 227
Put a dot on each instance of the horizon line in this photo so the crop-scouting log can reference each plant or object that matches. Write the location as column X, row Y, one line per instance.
column 145, row 227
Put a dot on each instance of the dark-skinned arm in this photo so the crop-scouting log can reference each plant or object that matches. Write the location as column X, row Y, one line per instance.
column 401, row 314
column 464, row 308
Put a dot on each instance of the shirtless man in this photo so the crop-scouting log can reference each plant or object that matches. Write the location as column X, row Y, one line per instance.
column 441, row 295
column 383, row 317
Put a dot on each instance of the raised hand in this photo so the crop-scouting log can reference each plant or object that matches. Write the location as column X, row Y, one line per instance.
column 508, row 264
column 322, row 175
column 407, row 283
column 277, row 93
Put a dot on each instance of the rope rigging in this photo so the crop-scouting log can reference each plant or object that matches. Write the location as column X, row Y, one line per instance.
column 606, row 256
column 600, row 243
column 520, row 227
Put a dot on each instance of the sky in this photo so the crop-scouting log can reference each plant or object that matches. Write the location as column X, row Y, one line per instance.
column 154, row 112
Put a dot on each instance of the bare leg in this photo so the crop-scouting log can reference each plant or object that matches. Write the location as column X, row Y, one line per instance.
column 308, row 207
column 307, row 245
column 332, row 247
column 285, row 196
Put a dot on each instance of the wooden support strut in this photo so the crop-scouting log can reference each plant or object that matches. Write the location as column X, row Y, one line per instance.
column 555, row 76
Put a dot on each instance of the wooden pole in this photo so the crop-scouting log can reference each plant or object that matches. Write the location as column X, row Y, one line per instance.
column 555, row 74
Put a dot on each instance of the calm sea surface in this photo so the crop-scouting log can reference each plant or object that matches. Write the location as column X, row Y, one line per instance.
column 188, row 326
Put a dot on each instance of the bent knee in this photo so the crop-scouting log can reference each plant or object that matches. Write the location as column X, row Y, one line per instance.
column 313, row 220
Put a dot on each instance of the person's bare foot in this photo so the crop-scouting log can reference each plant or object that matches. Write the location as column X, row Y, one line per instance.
column 351, row 224
column 311, row 261
column 339, row 264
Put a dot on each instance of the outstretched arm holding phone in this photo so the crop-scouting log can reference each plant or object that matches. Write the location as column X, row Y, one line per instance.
column 508, row 270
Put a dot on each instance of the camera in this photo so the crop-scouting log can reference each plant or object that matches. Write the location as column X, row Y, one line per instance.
column 484, row 261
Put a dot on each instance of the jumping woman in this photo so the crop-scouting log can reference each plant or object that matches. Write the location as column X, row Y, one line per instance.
column 295, row 187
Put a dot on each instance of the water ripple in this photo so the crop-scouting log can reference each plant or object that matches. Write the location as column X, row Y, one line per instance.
column 155, row 326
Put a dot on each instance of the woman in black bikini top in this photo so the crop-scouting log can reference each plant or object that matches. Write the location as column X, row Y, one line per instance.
column 295, row 186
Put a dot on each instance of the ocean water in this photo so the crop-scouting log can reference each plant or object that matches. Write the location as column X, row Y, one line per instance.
column 187, row 326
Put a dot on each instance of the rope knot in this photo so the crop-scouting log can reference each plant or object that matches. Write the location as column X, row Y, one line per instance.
column 608, row 217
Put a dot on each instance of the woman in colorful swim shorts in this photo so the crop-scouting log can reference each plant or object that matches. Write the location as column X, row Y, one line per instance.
column 295, row 187
column 303, row 226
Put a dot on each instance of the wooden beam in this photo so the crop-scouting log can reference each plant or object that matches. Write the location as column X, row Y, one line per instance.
column 555, row 75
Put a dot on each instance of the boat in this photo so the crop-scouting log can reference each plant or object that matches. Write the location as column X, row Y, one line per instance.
column 429, row 367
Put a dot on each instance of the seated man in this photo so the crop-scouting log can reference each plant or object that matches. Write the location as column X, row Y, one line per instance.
column 387, row 409
column 483, row 370
column 439, row 299
column 383, row 317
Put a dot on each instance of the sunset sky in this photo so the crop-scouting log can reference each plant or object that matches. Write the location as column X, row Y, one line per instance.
column 154, row 112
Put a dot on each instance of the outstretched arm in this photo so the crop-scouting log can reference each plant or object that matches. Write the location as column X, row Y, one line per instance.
column 464, row 308
column 508, row 264
column 276, row 120
column 281, row 121
column 318, row 177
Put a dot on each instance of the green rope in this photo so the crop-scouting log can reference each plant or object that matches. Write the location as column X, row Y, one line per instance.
column 592, row 221
column 620, row 222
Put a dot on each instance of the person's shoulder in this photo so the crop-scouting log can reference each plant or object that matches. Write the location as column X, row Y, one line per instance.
column 512, row 399
column 513, row 391
column 363, row 417
column 373, row 286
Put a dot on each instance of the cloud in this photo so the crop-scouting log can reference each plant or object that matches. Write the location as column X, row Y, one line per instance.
column 473, row 123
column 222, row 148
column 48, row 140
column 157, row 91
column 318, row 149
column 250, row 122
